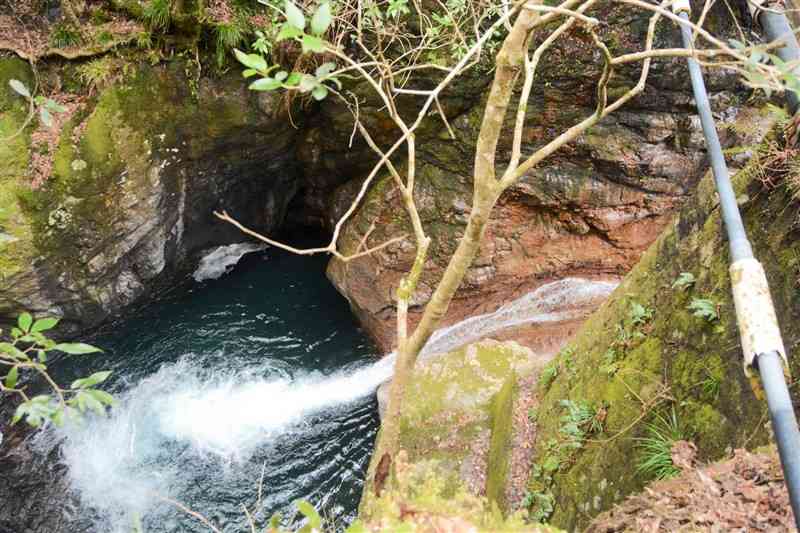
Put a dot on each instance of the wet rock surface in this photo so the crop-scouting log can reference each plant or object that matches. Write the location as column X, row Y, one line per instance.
column 136, row 177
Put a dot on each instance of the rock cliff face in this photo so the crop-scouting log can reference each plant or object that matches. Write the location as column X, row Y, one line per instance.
column 646, row 354
column 136, row 174
column 589, row 210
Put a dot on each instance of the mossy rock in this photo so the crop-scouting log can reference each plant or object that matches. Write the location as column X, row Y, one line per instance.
column 15, row 232
column 136, row 176
column 641, row 367
column 456, row 426
column 421, row 501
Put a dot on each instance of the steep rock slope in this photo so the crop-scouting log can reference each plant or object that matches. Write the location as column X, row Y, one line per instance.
column 647, row 357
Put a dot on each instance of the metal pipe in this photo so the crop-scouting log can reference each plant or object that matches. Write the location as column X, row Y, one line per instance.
column 776, row 26
column 784, row 424
column 737, row 238
column 762, row 345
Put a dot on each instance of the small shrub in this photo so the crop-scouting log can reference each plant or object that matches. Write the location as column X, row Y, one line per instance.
column 581, row 420
column 97, row 72
column 548, row 375
column 640, row 315
column 157, row 14
column 610, row 364
column 228, row 37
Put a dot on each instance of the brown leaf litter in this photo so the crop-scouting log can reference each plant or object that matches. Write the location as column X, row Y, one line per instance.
column 744, row 493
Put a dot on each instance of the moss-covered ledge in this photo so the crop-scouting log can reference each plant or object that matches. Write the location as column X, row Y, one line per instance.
column 644, row 353
column 137, row 170
column 455, row 434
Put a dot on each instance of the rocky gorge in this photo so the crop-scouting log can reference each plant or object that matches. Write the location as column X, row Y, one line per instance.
column 114, row 204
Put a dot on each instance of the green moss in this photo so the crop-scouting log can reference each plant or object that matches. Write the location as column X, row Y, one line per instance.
column 675, row 358
column 500, row 444
column 420, row 494
column 16, row 246
column 459, row 404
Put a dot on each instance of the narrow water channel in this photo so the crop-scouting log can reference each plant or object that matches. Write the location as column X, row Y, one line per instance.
column 219, row 382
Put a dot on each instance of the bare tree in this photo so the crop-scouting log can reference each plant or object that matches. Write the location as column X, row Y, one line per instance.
column 516, row 65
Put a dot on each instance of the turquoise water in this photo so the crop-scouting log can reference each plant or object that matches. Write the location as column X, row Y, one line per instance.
column 263, row 370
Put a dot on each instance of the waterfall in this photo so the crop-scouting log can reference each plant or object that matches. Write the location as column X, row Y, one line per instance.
column 220, row 260
column 193, row 408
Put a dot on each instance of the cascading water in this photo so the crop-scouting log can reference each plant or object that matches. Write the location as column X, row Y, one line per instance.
column 261, row 371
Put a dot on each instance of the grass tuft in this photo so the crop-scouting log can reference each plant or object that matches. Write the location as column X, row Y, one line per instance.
column 157, row 14
column 656, row 447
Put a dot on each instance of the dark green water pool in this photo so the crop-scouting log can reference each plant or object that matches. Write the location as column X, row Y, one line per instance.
column 261, row 371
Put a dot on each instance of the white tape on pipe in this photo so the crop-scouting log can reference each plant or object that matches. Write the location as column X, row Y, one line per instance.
column 681, row 6
column 755, row 313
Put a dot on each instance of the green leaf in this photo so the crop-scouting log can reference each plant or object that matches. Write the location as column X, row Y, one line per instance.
column 43, row 324
column 94, row 379
column 324, row 69
column 275, row 521
column 307, row 83
column 47, row 118
column 288, row 32
column 703, row 308
column 322, row 19
column 12, row 351
column 293, row 79
column 76, row 348
column 282, row 75
column 54, row 106
column 41, row 355
column 19, row 88
column 86, row 400
column 319, row 92
column 294, row 16
column 24, row 322
column 102, row 397
column 265, row 84
column 247, row 73
column 11, row 377
column 684, row 280
column 252, row 61
column 308, row 510
column 312, row 43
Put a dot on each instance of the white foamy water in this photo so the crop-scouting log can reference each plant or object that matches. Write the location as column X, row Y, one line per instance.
column 221, row 260
column 120, row 463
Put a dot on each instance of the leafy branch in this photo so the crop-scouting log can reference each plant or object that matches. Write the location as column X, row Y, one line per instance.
column 28, row 349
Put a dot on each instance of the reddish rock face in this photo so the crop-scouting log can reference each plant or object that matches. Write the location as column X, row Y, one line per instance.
column 590, row 210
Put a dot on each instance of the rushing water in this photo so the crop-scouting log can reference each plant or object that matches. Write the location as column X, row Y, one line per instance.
column 217, row 383
column 255, row 388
